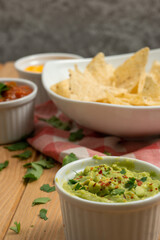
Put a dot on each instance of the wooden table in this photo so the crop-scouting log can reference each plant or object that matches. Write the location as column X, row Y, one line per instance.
column 16, row 197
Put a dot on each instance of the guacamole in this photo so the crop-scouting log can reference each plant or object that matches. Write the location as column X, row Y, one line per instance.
column 112, row 184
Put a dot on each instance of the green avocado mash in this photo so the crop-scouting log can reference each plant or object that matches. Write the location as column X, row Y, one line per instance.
column 112, row 184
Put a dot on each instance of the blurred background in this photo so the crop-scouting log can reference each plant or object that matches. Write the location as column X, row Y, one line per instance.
column 80, row 27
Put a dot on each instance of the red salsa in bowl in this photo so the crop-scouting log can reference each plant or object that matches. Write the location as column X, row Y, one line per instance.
column 12, row 91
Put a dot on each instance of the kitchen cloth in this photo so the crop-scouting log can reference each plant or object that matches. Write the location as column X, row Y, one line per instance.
column 54, row 142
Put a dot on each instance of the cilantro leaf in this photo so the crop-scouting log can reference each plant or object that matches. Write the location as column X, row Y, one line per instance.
column 107, row 153
column 74, row 136
column 106, row 172
column 72, row 181
column 130, row 183
column 69, row 158
column 35, row 169
column 78, row 186
column 46, row 162
column 17, row 146
column 117, row 191
column 34, row 172
column 43, row 213
column 3, row 88
column 47, row 188
column 3, row 165
column 143, row 179
column 42, row 200
column 57, row 123
column 25, row 155
column 123, row 171
column 16, row 228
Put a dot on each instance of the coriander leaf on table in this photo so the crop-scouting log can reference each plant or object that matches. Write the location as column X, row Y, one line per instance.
column 25, row 155
column 69, row 158
column 42, row 200
column 35, row 169
column 46, row 162
column 33, row 172
column 74, row 136
column 47, row 188
column 42, row 214
column 57, row 123
column 3, row 165
column 3, row 88
column 17, row 146
column 16, row 228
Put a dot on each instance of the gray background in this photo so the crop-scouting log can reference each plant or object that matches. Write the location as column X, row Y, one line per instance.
column 82, row 27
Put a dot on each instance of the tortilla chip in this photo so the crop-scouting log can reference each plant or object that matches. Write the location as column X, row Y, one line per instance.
column 151, row 88
column 133, row 99
column 62, row 88
column 132, row 72
column 84, row 86
column 111, row 99
column 155, row 70
column 101, row 70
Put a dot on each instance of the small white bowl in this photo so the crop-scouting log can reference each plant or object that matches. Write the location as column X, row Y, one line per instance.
column 17, row 116
column 39, row 59
column 84, row 219
column 119, row 120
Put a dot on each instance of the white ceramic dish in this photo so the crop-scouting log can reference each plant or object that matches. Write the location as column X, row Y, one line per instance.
column 127, row 121
column 39, row 59
column 88, row 220
column 16, row 116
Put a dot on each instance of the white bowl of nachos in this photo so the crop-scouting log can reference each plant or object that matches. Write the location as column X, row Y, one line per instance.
column 117, row 95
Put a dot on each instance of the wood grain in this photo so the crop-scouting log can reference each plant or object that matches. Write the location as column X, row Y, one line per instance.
column 32, row 226
column 12, row 187
column 8, row 70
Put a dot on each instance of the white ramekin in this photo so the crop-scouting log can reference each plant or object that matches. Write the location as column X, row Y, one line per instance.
column 88, row 220
column 37, row 59
column 17, row 116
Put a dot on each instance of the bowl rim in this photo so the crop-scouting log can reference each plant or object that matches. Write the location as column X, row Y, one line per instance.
column 39, row 56
column 53, row 94
column 90, row 203
column 24, row 99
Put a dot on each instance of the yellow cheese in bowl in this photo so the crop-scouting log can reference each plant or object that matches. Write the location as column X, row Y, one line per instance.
column 35, row 68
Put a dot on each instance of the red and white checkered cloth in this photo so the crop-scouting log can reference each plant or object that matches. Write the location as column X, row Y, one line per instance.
column 54, row 142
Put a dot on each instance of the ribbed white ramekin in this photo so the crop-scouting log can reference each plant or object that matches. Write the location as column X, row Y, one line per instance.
column 37, row 59
column 88, row 220
column 17, row 116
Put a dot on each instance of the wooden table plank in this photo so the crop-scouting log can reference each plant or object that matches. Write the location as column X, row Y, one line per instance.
column 8, row 70
column 28, row 216
column 11, row 187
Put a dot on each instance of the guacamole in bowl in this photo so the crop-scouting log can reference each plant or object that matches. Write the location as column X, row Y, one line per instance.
column 109, row 198
column 111, row 184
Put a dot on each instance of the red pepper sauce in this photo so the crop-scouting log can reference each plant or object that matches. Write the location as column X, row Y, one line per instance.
column 14, row 91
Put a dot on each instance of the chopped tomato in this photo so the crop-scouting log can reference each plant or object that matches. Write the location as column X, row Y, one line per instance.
column 15, row 91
